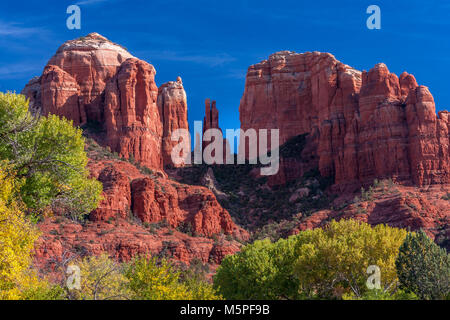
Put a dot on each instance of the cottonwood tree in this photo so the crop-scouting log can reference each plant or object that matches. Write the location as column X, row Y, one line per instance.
column 153, row 279
column 46, row 154
column 101, row 278
column 261, row 270
column 17, row 237
column 319, row 263
column 333, row 261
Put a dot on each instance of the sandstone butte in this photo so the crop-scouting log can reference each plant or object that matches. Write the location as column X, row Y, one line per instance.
column 93, row 81
column 172, row 107
column 359, row 125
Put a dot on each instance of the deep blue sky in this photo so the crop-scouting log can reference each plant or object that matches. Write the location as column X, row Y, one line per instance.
column 210, row 44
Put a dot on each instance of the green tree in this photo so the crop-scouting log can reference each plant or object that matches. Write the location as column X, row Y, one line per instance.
column 261, row 270
column 334, row 260
column 320, row 263
column 47, row 155
column 423, row 267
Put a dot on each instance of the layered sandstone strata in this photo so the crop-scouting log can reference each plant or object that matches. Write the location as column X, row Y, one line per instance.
column 92, row 80
column 144, row 214
column 172, row 106
column 154, row 199
column 365, row 125
column 91, row 61
column 131, row 117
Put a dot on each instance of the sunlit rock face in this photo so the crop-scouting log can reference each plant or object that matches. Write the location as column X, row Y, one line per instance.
column 172, row 106
column 361, row 125
column 93, row 80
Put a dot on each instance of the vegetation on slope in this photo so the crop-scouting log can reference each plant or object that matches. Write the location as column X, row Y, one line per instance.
column 47, row 157
column 332, row 263
column 43, row 169
column 251, row 203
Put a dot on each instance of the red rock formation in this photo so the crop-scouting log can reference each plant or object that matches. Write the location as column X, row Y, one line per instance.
column 91, row 79
column 364, row 125
column 428, row 139
column 154, row 199
column 172, row 106
column 125, row 223
column 211, row 121
column 132, row 120
column 116, row 195
column 92, row 61
column 123, row 240
column 291, row 91
column 32, row 91
column 59, row 93
column 403, row 207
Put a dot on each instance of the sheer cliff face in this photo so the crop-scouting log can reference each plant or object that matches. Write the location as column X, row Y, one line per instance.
column 132, row 120
column 362, row 125
column 172, row 106
column 294, row 92
column 91, row 79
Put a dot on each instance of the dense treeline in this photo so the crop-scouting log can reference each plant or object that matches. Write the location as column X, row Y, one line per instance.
column 43, row 172
column 337, row 262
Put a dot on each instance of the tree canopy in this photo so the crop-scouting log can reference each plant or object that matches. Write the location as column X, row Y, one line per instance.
column 423, row 267
column 336, row 258
column 319, row 263
column 153, row 279
column 47, row 156
column 17, row 238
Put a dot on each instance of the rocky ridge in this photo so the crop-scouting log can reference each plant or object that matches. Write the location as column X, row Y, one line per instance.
column 360, row 125
column 340, row 129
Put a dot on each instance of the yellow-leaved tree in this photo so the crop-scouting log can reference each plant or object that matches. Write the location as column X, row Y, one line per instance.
column 101, row 278
column 152, row 279
column 47, row 155
column 17, row 237
column 334, row 261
